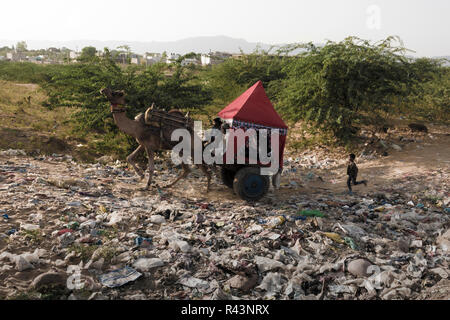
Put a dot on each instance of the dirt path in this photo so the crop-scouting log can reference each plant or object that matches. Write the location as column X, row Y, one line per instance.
column 415, row 160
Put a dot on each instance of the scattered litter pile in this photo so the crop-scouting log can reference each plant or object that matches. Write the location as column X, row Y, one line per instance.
column 81, row 231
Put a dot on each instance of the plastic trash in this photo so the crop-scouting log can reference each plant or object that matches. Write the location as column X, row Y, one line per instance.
column 143, row 242
column 243, row 283
column 119, row 277
column 295, row 218
column 359, row 267
column 181, row 245
column 350, row 242
column 261, row 221
column 334, row 236
column 145, row 264
column 29, row 227
column 275, row 222
column 157, row 219
column 311, row 213
column 12, row 152
column 267, row 264
column 22, row 264
column 66, row 239
column 192, row 282
column 353, row 230
column 10, row 232
column 73, row 225
column 63, row 231
column 203, row 206
column 272, row 283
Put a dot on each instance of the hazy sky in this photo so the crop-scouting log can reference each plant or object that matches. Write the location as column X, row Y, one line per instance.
column 424, row 25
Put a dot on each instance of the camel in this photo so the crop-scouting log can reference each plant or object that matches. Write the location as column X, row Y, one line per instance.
column 150, row 138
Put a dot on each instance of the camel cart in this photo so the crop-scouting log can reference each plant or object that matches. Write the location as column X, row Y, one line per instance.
column 252, row 110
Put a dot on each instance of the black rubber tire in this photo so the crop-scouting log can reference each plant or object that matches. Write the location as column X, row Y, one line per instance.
column 227, row 177
column 250, row 185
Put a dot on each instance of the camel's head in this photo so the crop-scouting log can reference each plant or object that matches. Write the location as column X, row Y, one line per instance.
column 115, row 97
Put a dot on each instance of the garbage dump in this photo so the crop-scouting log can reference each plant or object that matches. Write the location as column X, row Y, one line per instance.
column 87, row 231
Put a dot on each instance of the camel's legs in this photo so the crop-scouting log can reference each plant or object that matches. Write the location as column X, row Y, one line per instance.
column 151, row 165
column 207, row 173
column 131, row 160
column 185, row 173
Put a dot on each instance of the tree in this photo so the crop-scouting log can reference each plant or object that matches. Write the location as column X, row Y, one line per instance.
column 230, row 78
column 88, row 54
column 21, row 46
column 78, row 85
column 126, row 51
column 430, row 96
column 4, row 50
column 340, row 84
column 191, row 55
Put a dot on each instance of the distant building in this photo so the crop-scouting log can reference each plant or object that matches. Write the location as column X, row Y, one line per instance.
column 189, row 61
column 205, row 59
column 135, row 59
column 153, row 55
column 122, row 58
column 171, row 58
column 152, row 58
column 214, row 58
column 36, row 59
column 15, row 56
column 74, row 55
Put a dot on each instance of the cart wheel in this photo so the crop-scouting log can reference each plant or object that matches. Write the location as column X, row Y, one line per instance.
column 227, row 177
column 250, row 185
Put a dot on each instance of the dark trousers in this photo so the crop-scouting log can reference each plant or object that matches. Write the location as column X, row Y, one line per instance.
column 352, row 180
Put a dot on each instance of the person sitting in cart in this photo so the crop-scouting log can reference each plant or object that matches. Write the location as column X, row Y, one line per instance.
column 218, row 126
column 217, row 123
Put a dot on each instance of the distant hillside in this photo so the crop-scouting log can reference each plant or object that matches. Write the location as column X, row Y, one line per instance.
column 183, row 46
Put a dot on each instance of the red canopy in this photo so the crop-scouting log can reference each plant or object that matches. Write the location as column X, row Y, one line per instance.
column 253, row 109
column 253, row 106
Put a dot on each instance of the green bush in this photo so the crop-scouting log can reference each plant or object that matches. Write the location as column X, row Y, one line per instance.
column 342, row 84
column 26, row 72
column 229, row 79
column 430, row 100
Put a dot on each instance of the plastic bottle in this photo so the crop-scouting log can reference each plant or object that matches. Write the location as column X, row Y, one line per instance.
column 275, row 222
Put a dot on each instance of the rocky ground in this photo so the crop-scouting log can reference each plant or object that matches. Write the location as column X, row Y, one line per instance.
column 80, row 231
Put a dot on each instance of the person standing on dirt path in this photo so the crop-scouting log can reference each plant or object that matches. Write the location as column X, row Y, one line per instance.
column 352, row 172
